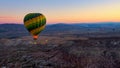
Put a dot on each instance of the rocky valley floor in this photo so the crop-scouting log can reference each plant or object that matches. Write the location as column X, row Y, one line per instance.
column 60, row 52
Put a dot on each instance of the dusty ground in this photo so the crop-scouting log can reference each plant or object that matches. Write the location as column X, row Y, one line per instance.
column 60, row 52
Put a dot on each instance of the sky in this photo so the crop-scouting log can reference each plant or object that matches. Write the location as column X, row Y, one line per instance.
column 61, row 11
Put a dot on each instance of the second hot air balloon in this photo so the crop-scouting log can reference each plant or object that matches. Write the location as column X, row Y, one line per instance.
column 35, row 23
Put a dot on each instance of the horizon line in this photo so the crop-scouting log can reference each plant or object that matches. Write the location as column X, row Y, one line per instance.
column 68, row 23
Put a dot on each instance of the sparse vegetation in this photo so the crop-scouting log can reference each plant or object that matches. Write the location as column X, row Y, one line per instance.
column 73, row 53
column 57, row 49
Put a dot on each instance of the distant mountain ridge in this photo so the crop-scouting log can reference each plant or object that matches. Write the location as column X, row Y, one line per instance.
column 18, row 30
column 84, row 26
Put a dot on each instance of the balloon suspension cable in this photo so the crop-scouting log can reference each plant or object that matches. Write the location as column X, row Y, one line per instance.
column 35, row 39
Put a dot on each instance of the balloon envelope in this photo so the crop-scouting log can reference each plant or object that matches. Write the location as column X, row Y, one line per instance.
column 35, row 23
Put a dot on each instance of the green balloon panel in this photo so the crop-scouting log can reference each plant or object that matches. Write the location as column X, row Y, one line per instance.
column 35, row 23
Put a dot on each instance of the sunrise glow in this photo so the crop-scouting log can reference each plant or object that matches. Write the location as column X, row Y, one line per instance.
column 61, row 11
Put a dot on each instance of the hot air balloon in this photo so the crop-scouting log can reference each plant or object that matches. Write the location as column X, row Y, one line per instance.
column 35, row 23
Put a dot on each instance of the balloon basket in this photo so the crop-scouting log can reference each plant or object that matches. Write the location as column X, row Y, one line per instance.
column 35, row 42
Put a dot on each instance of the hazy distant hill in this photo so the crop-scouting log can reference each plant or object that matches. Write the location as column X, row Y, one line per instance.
column 12, row 30
column 18, row 30
column 93, row 27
